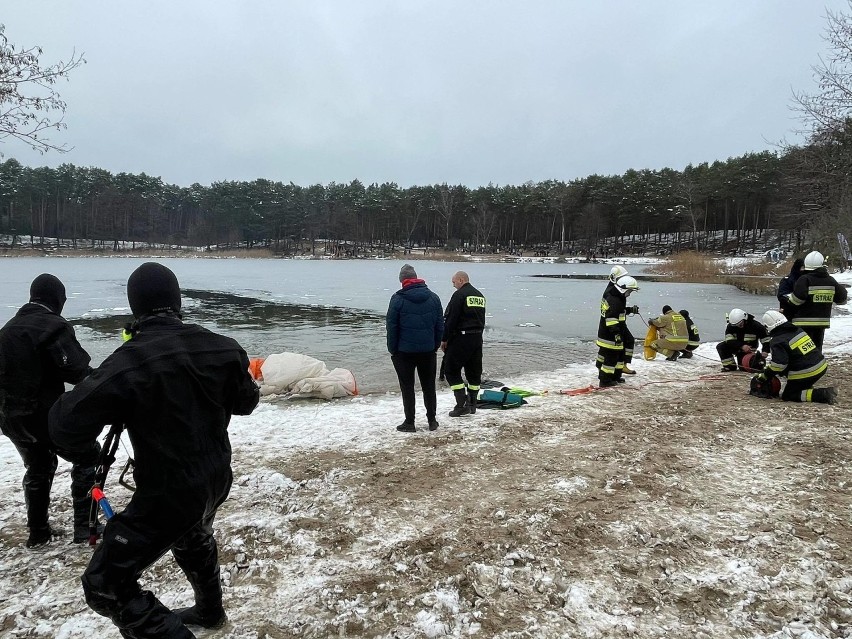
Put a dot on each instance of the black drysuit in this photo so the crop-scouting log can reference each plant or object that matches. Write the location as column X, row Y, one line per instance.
column 174, row 386
column 38, row 354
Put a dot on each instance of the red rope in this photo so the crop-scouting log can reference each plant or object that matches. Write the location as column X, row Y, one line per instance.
column 591, row 389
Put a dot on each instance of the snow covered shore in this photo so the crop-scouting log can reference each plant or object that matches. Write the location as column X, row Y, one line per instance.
column 674, row 506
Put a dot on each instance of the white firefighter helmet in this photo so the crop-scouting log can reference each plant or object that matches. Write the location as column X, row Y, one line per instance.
column 813, row 261
column 616, row 272
column 627, row 284
column 736, row 316
column 772, row 320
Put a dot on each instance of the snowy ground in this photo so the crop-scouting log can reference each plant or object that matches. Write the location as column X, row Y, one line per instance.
column 674, row 506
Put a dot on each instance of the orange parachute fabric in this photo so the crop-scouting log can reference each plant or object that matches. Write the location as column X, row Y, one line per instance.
column 254, row 367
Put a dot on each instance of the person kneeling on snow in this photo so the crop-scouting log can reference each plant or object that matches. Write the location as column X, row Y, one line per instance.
column 694, row 340
column 672, row 332
column 794, row 356
column 743, row 334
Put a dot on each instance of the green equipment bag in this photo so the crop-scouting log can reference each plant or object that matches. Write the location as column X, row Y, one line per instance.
column 499, row 399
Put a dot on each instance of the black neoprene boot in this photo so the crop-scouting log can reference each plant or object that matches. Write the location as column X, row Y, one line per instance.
column 209, row 619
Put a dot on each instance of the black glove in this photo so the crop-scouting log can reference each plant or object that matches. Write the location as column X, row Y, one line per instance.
column 633, row 310
column 617, row 339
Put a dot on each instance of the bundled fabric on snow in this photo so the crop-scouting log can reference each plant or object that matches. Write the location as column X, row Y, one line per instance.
column 297, row 375
column 499, row 399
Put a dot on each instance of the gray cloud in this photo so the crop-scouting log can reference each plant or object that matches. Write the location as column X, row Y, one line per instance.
column 420, row 92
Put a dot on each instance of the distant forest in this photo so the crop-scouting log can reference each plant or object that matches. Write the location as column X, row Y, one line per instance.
column 797, row 197
column 745, row 203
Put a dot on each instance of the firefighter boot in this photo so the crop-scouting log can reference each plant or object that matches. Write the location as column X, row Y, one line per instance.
column 825, row 395
column 461, row 407
column 471, row 400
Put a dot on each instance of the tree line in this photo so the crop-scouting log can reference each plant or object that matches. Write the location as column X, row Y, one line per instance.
column 741, row 204
column 799, row 196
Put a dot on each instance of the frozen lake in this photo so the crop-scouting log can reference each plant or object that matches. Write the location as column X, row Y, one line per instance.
column 334, row 310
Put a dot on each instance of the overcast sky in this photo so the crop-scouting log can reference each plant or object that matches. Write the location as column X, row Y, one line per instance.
column 419, row 92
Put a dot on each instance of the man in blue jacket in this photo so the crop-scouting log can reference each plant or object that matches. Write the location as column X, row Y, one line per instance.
column 415, row 324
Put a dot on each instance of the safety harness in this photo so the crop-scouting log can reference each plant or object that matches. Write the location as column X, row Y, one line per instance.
column 105, row 462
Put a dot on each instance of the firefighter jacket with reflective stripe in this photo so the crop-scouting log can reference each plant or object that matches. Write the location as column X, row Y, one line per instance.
column 612, row 322
column 794, row 354
column 753, row 334
column 692, row 333
column 813, row 295
column 465, row 312
column 672, row 326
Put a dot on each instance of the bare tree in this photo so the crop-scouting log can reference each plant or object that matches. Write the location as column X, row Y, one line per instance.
column 830, row 106
column 29, row 103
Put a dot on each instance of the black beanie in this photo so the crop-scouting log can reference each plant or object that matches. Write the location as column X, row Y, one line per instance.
column 685, row 313
column 48, row 290
column 666, row 309
column 151, row 289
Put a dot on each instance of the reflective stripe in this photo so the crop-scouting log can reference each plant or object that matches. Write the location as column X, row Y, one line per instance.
column 472, row 387
column 823, row 322
column 773, row 366
column 730, row 338
column 610, row 370
column 795, row 300
column 611, row 321
column 728, row 361
column 456, row 387
column 605, row 343
column 803, row 343
column 809, row 372
column 675, row 340
column 693, row 343
column 807, row 396
column 821, row 294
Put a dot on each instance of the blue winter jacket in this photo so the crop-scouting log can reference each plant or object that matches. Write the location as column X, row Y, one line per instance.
column 415, row 320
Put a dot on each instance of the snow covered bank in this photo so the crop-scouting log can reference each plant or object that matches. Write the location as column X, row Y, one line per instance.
column 674, row 506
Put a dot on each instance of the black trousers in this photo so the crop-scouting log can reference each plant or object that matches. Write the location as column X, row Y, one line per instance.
column 629, row 345
column 40, row 461
column 730, row 354
column 426, row 365
column 133, row 540
column 464, row 352
column 795, row 390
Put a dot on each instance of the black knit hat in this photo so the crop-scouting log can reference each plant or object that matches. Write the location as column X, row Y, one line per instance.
column 48, row 290
column 151, row 289
column 666, row 309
